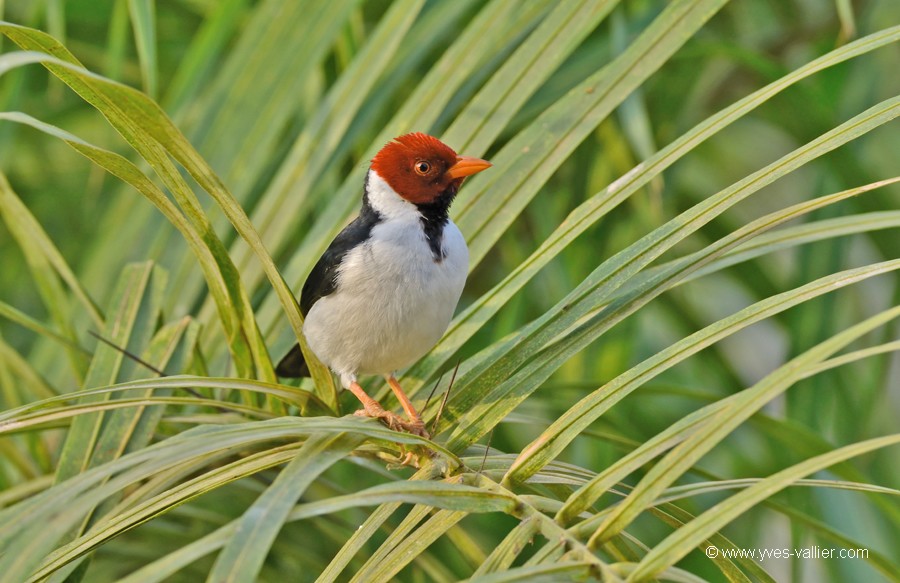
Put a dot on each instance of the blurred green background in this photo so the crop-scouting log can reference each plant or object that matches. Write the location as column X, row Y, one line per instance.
column 246, row 81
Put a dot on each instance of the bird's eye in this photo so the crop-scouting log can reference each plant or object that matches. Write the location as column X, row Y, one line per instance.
column 422, row 167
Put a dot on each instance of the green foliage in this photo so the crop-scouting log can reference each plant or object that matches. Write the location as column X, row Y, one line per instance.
column 681, row 305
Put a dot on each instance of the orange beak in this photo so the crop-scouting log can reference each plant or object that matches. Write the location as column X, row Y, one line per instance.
column 467, row 166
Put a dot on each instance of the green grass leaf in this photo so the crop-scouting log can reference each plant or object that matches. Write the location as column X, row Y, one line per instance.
column 243, row 555
column 143, row 20
column 497, row 383
column 586, row 411
column 710, row 432
column 133, row 313
column 673, row 548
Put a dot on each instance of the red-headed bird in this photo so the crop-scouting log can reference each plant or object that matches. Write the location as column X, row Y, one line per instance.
column 383, row 293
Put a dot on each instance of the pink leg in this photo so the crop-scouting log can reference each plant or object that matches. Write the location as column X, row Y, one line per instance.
column 418, row 426
column 372, row 408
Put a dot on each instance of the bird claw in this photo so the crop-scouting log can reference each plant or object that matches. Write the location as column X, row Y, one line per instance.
column 407, row 457
column 394, row 421
column 391, row 419
column 417, row 427
column 410, row 459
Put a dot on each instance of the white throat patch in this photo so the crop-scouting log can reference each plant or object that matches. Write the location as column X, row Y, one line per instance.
column 386, row 201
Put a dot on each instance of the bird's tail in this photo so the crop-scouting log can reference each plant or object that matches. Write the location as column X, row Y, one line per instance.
column 293, row 365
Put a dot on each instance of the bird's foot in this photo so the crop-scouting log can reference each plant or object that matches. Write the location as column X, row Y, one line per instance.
column 372, row 408
column 389, row 418
column 417, row 427
column 407, row 457
column 393, row 421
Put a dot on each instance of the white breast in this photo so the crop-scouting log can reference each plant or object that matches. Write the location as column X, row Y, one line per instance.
column 393, row 300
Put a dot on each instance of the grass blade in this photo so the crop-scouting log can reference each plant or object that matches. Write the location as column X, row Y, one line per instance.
column 215, row 270
column 143, row 19
column 714, row 430
column 243, row 555
column 133, row 315
column 528, row 160
column 495, row 378
column 577, row 418
column 673, row 548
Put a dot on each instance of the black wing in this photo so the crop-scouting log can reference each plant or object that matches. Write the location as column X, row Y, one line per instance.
column 322, row 280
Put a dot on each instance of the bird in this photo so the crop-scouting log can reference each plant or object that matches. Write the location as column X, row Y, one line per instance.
column 384, row 291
